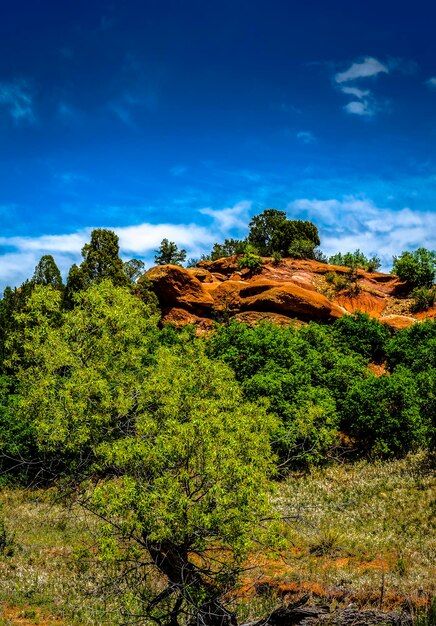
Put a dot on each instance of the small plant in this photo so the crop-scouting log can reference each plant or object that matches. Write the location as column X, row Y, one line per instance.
column 328, row 543
column 250, row 260
column 426, row 616
column 337, row 281
column 276, row 258
column 423, row 298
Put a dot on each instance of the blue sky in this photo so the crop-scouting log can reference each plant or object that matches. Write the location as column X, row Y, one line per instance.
column 182, row 119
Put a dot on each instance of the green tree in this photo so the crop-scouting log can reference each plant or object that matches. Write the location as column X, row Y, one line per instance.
column 416, row 269
column 263, row 227
column 134, row 269
column 178, row 462
column 355, row 260
column 101, row 261
column 362, row 334
column 228, row 248
column 271, row 232
column 169, row 254
column 47, row 273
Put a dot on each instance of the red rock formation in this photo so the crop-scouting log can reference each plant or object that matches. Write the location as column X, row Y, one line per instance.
column 281, row 293
column 365, row 302
column 175, row 286
column 294, row 301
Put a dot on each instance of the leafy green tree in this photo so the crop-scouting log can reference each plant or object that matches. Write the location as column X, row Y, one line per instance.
column 416, row 269
column 178, row 463
column 301, row 249
column 169, row 254
column 101, row 261
column 13, row 301
column 356, row 260
column 134, row 269
column 271, row 232
column 47, row 273
column 263, row 227
column 228, row 248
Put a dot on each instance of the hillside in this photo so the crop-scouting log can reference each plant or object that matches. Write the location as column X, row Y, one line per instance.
column 293, row 289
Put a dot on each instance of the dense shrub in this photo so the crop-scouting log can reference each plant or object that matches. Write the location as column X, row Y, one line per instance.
column 362, row 334
column 384, row 416
column 414, row 347
column 417, row 268
column 250, row 260
column 423, row 298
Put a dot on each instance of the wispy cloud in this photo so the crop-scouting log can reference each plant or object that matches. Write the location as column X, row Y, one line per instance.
column 354, row 222
column 178, row 170
column 366, row 68
column 431, row 83
column 229, row 218
column 22, row 253
column 364, row 103
column 16, row 98
column 306, row 137
column 128, row 104
column 360, row 107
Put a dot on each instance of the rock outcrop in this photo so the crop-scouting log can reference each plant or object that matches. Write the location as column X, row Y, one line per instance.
column 292, row 291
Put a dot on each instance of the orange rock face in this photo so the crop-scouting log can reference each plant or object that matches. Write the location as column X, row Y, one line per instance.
column 287, row 292
column 176, row 286
column 365, row 302
column 294, row 301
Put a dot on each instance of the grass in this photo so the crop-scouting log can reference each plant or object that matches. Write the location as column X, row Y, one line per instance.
column 361, row 533
column 41, row 581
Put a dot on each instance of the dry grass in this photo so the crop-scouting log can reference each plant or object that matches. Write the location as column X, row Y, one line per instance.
column 363, row 533
column 356, row 532
column 41, row 579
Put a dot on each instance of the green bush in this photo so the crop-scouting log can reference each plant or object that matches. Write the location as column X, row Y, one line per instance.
column 423, row 298
column 414, row 347
column 383, row 415
column 362, row 334
column 250, row 260
column 416, row 269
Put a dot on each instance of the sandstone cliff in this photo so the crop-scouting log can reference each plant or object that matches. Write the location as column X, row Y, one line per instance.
column 292, row 291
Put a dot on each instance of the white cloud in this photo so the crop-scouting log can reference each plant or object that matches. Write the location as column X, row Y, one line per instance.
column 306, row 137
column 366, row 68
column 359, row 107
column 16, row 98
column 138, row 240
column 235, row 217
column 354, row 222
column 431, row 82
column 356, row 92
column 364, row 103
